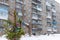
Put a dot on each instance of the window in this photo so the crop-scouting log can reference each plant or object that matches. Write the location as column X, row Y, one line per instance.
column 34, row 10
column 39, row 16
column 39, row 6
column 19, row 12
column 33, row 5
column 3, row 12
column 54, row 26
column 48, row 14
column 54, row 22
column 39, row 2
column 34, row 15
column 48, row 8
column 18, row 5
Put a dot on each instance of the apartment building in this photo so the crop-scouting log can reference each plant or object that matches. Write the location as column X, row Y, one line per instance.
column 58, row 16
column 51, row 16
column 38, row 15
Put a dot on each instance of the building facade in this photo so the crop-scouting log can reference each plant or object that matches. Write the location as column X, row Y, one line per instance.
column 58, row 16
column 39, row 15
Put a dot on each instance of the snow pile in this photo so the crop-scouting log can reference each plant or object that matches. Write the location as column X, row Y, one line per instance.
column 40, row 37
column 3, row 37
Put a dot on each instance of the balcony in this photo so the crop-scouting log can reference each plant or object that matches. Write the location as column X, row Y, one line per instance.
column 49, row 29
column 20, row 1
column 53, row 4
column 20, row 14
column 53, row 13
column 34, row 12
column 34, row 29
column 54, row 18
column 34, row 7
column 54, row 26
column 34, row 2
column 39, row 29
column 25, row 23
column 40, row 19
column 53, row 10
column 39, row 9
column 39, row 0
column 54, row 30
column 54, row 22
column 48, row 8
column 36, row 18
column 18, row 6
column 4, row 2
column 35, row 22
column 49, row 21
column 49, row 17
column 48, row 4
column 39, row 23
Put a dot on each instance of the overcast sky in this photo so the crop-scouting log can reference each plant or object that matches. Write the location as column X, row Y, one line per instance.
column 58, row 1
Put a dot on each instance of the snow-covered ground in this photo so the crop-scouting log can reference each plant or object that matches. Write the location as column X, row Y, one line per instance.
column 40, row 37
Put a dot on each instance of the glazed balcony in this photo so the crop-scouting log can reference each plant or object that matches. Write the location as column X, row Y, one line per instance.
column 4, row 2
column 48, row 4
column 37, row 7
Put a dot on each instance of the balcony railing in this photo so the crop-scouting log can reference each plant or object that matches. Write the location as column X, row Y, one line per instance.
column 25, row 23
column 19, row 6
column 34, row 29
column 4, row 2
column 40, row 9
column 53, row 4
column 54, row 30
column 54, row 26
column 54, row 13
column 20, row 1
column 48, row 4
column 48, row 8
column 54, row 22
column 36, row 23
column 39, row 0
column 20, row 14
column 53, row 10
column 40, row 19
column 49, row 29
column 49, row 17
column 36, row 18
column 34, row 2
